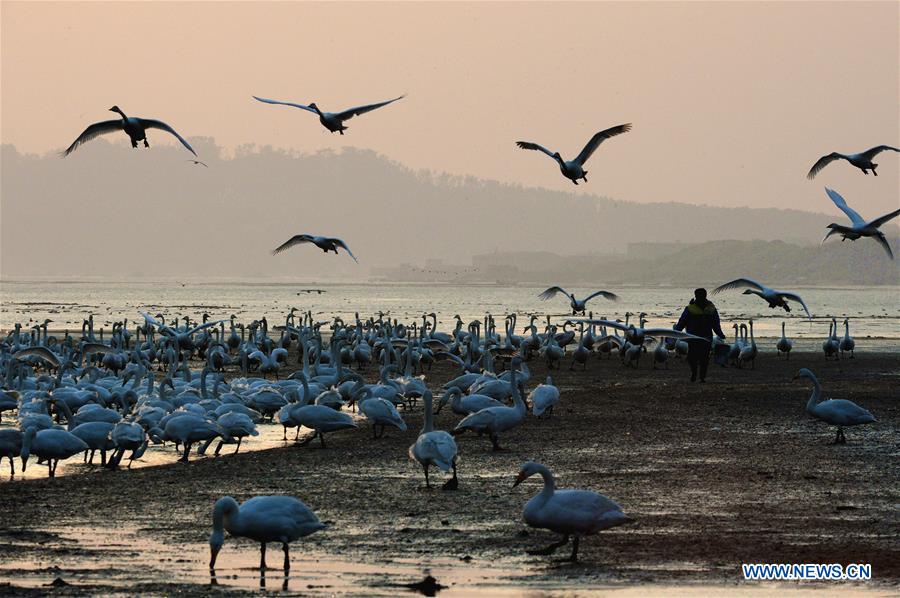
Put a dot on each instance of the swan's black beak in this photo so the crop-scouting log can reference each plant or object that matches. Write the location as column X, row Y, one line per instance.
column 521, row 478
column 213, row 554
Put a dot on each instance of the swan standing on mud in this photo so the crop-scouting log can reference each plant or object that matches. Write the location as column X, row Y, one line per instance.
column 333, row 121
column 568, row 512
column 265, row 519
column 784, row 344
column 435, row 447
column 134, row 127
column 574, row 169
column 837, row 412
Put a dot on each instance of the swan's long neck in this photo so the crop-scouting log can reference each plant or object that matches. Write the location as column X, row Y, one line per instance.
column 429, row 416
column 549, row 484
column 816, row 395
column 517, row 398
column 752, row 340
column 846, row 330
column 226, row 508
column 783, row 337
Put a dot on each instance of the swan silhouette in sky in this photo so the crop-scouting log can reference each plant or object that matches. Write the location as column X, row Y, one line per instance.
column 771, row 296
column 326, row 244
column 574, row 169
column 134, row 127
column 333, row 121
column 862, row 160
column 858, row 226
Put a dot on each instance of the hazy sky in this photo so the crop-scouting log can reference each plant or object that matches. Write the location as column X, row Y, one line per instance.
column 731, row 102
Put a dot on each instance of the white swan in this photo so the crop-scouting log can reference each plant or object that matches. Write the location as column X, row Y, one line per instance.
column 380, row 412
column 543, row 398
column 264, row 519
column 847, row 343
column 464, row 405
column 830, row 345
column 577, row 306
column 859, row 227
column 326, row 244
column 862, row 160
column 784, row 344
column 435, row 447
column 568, row 512
column 837, row 412
column 749, row 351
column 333, row 121
column 135, row 127
column 771, row 296
column 495, row 420
column 574, row 169
column 10, row 447
column 52, row 445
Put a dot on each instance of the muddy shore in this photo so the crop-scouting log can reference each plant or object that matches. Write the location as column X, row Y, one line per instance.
column 732, row 471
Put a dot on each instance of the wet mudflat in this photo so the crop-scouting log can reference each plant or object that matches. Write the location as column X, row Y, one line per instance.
column 716, row 475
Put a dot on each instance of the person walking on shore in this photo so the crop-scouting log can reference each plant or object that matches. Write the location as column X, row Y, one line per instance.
column 700, row 318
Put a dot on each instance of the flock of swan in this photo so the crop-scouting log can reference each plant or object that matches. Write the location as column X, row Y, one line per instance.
column 118, row 396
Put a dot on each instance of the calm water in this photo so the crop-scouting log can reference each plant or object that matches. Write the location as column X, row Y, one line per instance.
column 873, row 312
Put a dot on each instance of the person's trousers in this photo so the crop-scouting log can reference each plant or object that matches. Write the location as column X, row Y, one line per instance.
column 698, row 358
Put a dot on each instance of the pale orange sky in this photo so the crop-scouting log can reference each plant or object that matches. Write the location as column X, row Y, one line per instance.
column 731, row 102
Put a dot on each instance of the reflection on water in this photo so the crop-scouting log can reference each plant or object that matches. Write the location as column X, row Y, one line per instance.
column 873, row 310
column 117, row 560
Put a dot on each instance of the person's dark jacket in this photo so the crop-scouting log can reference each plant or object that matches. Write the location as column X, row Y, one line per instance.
column 700, row 321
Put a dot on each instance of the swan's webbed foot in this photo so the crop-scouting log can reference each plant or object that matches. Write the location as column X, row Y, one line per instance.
column 574, row 181
column 549, row 549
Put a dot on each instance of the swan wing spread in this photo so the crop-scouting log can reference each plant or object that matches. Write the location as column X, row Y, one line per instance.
column 150, row 123
column 670, row 333
column 881, row 240
column 42, row 352
column 295, row 240
column 599, row 138
column 883, row 219
column 551, row 292
column 94, row 130
column 740, row 283
column 822, row 163
column 340, row 243
column 196, row 329
column 351, row 112
column 871, row 153
column 841, row 203
column 529, row 145
column 798, row 299
column 301, row 106
column 604, row 294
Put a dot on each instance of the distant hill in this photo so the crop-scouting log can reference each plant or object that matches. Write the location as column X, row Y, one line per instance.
column 771, row 262
column 109, row 210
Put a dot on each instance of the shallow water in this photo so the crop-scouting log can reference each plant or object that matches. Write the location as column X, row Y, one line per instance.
column 120, row 559
column 874, row 311
column 270, row 436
